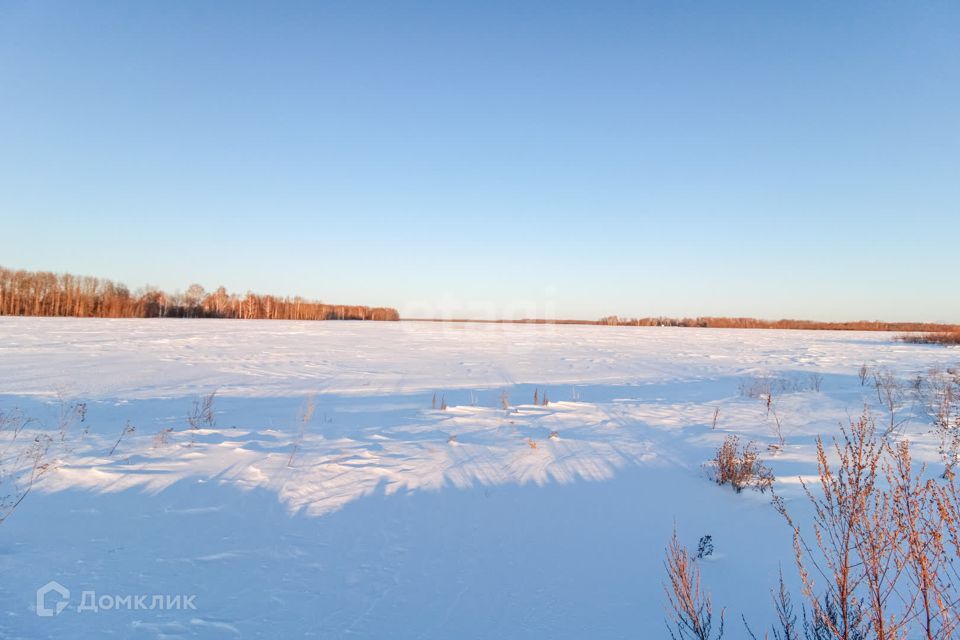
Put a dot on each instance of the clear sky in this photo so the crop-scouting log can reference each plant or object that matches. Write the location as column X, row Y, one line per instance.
column 498, row 159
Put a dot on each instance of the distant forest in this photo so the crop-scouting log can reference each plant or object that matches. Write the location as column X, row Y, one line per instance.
column 711, row 322
column 41, row 293
column 754, row 323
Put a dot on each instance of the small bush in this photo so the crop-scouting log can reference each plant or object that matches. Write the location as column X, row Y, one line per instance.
column 740, row 466
column 705, row 547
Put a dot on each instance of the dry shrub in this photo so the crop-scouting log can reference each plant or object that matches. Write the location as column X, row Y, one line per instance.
column 939, row 394
column 891, row 393
column 24, row 458
column 766, row 386
column 162, row 437
column 938, row 337
column 201, row 413
column 879, row 559
column 740, row 466
column 815, row 381
column 69, row 412
column 303, row 419
column 689, row 608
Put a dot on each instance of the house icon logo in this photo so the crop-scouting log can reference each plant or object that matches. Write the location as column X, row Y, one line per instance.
column 59, row 604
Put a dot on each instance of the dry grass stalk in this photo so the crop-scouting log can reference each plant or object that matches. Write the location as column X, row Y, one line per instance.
column 306, row 414
column 128, row 428
column 689, row 608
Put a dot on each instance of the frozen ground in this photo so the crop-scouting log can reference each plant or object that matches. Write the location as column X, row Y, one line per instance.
column 394, row 519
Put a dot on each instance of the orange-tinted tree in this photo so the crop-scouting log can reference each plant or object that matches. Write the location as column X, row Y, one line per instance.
column 42, row 293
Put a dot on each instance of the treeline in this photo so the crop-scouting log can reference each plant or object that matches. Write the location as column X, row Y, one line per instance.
column 754, row 323
column 41, row 293
column 735, row 323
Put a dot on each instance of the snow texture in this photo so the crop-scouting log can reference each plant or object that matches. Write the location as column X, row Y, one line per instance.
column 389, row 517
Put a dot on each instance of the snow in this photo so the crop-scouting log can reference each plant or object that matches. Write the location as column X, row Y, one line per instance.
column 382, row 525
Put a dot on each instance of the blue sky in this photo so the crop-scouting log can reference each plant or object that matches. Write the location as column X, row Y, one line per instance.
column 493, row 159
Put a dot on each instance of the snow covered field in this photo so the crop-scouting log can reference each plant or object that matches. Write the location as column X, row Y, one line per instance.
column 389, row 517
